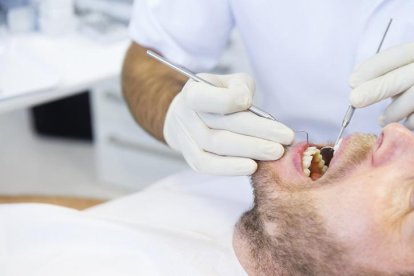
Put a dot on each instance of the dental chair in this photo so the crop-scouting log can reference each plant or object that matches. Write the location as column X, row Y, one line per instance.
column 182, row 225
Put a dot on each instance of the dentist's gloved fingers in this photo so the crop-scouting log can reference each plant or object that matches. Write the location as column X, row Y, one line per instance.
column 400, row 108
column 235, row 93
column 389, row 85
column 226, row 143
column 181, row 128
column 209, row 150
column 409, row 123
column 229, row 80
column 210, row 163
column 382, row 63
column 250, row 124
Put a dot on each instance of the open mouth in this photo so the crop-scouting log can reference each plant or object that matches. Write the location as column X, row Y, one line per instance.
column 313, row 163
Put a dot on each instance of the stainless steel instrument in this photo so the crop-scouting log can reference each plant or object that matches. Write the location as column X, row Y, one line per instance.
column 328, row 151
column 194, row 77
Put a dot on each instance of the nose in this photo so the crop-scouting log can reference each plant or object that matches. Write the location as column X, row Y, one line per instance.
column 399, row 136
column 395, row 143
column 398, row 131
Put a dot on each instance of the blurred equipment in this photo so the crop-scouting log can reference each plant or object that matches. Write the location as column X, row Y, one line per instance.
column 119, row 10
column 104, row 21
column 22, row 71
column 102, row 28
column 20, row 15
column 56, row 17
column 67, row 118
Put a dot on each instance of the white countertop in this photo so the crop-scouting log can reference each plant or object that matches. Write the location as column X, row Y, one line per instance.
column 36, row 68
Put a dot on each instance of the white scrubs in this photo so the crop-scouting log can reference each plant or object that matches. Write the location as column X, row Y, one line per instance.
column 181, row 226
column 301, row 52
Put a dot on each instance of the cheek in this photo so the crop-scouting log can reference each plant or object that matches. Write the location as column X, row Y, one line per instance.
column 408, row 229
column 407, row 241
column 287, row 173
column 348, row 207
column 393, row 175
column 360, row 202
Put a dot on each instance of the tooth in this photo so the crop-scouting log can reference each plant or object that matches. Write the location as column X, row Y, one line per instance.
column 317, row 157
column 307, row 172
column 321, row 164
column 310, row 152
column 310, row 149
column 306, row 161
column 324, row 169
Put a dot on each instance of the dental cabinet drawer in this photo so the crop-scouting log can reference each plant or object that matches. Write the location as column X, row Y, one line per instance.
column 126, row 155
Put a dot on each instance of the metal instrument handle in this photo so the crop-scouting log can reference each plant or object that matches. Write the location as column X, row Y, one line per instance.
column 194, row 77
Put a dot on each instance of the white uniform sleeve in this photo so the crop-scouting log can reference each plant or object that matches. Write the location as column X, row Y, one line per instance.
column 191, row 33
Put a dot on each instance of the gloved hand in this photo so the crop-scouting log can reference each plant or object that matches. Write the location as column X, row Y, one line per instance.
column 387, row 74
column 212, row 129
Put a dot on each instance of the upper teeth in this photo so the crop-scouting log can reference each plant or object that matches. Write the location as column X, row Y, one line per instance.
column 312, row 153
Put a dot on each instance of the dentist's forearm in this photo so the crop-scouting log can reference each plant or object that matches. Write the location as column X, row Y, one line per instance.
column 149, row 87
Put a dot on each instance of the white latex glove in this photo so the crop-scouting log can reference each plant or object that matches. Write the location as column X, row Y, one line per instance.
column 387, row 74
column 212, row 129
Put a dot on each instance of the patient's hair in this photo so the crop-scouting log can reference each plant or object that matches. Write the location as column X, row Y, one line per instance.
column 284, row 235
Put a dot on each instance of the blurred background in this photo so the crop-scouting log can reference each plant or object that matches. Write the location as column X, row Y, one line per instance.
column 64, row 127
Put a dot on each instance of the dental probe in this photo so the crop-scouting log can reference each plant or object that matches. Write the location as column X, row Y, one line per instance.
column 328, row 152
column 350, row 112
column 345, row 122
column 196, row 78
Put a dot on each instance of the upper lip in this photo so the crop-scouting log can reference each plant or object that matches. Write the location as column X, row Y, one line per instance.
column 339, row 151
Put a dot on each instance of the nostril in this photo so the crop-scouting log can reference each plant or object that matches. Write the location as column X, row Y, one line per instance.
column 380, row 140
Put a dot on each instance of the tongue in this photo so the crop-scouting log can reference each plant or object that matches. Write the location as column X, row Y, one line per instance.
column 316, row 172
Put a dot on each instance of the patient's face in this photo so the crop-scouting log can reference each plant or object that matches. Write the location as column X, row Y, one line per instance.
column 360, row 213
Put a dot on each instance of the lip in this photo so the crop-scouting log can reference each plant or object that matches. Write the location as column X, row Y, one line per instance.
column 340, row 150
column 344, row 145
column 297, row 151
